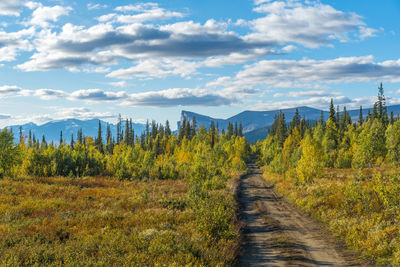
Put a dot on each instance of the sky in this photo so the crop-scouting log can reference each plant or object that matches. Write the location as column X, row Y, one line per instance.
column 63, row 59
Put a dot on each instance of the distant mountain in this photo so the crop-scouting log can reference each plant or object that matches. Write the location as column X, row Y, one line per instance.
column 51, row 130
column 252, row 120
column 256, row 123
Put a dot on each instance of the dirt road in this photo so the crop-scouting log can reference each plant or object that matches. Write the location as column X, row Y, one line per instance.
column 276, row 234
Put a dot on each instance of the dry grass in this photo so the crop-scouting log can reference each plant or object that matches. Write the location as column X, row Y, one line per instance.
column 361, row 207
column 100, row 221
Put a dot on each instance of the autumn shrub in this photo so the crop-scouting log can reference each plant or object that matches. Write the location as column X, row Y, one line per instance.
column 364, row 213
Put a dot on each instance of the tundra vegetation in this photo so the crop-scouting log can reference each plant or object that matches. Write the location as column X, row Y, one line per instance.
column 161, row 199
column 342, row 173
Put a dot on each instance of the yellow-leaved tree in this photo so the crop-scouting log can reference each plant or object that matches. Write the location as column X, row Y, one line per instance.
column 311, row 162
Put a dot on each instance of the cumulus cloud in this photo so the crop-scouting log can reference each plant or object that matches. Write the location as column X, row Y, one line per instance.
column 13, row 42
column 129, row 34
column 47, row 94
column 286, row 73
column 178, row 97
column 7, row 90
column 42, row 15
column 163, row 98
column 97, row 95
column 156, row 68
column 309, row 23
column 145, row 12
column 10, row 8
column 104, row 44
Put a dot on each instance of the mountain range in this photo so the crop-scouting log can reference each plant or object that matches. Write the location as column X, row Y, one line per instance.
column 51, row 130
column 255, row 123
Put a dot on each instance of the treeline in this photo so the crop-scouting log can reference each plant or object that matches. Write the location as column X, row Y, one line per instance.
column 155, row 154
column 302, row 149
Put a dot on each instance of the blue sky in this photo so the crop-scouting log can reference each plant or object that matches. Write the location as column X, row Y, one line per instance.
column 149, row 60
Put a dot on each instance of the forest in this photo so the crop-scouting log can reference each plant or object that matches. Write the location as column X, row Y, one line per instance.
column 343, row 173
column 170, row 198
column 161, row 199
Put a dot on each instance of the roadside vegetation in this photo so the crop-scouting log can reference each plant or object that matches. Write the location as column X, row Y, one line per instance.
column 162, row 199
column 342, row 173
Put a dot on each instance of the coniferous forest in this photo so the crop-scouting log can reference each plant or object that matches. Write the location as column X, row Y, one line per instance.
column 169, row 198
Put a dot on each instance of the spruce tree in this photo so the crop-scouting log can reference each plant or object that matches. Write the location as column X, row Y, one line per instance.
column 30, row 139
column 332, row 113
column 167, row 128
column 43, row 141
column 119, row 134
column 181, row 132
column 295, row 120
column 61, row 138
column 131, row 133
column 281, row 130
column 154, row 129
column 212, row 133
column 21, row 137
column 127, row 132
column 99, row 139
column 72, row 144
column 337, row 115
column 230, row 130
column 322, row 120
column 391, row 117
column 375, row 112
column 79, row 136
column 360, row 117
column 236, row 129
column 240, row 129
column 188, row 130
column 381, row 101
column 194, row 126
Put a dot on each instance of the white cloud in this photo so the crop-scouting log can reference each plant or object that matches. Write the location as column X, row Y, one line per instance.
column 103, row 44
column 10, row 7
column 9, row 90
column 80, row 113
column 311, row 24
column 42, row 15
column 178, row 97
column 156, row 68
column 48, row 94
column 97, row 95
column 119, row 84
column 92, row 6
column 33, row 5
column 366, row 32
column 144, row 12
column 138, row 7
column 288, row 73
column 315, row 102
column 13, row 42
column 289, row 48
column 297, row 94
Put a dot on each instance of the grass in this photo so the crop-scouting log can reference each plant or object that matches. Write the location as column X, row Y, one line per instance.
column 103, row 222
column 361, row 207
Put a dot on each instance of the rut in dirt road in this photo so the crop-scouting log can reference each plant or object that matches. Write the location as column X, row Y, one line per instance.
column 276, row 234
